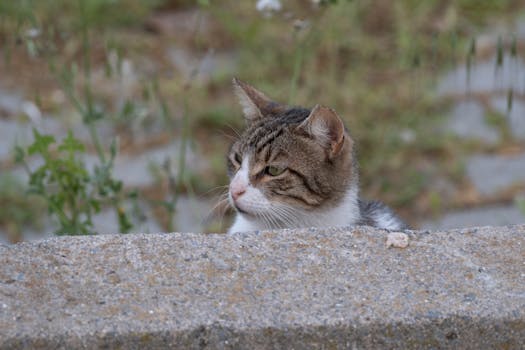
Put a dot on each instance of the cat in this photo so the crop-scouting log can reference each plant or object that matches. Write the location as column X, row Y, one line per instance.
column 293, row 167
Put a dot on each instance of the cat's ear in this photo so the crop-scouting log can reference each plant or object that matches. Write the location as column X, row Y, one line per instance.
column 325, row 126
column 255, row 104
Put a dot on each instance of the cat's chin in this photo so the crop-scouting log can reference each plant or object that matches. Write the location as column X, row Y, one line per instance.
column 243, row 211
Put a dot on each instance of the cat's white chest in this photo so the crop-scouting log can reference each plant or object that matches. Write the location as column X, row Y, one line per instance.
column 241, row 224
column 345, row 214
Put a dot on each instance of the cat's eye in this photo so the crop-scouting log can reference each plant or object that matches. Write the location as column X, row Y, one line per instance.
column 237, row 158
column 273, row 170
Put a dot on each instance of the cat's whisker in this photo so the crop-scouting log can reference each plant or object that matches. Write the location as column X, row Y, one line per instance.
column 231, row 137
column 237, row 133
column 276, row 224
column 288, row 215
column 270, row 225
column 281, row 220
column 282, row 216
column 218, row 210
column 224, row 188
column 264, row 218
column 265, row 221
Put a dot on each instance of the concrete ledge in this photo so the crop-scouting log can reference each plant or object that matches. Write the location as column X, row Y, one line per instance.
column 328, row 288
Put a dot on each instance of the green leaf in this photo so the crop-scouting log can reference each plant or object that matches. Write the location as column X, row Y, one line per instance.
column 41, row 143
column 510, row 98
column 116, row 186
column 472, row 47
column 123, row 221
column 92, row 115
column 95, row 204
column 134, row 194
column 127, row 110
column 514, row 47
column 71, row 144
column 113, row 148
column 499, row 57
column 19, row 154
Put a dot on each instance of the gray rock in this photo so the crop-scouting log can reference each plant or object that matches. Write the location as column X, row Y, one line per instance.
column 484, row 77
column 10, row 103
column 467, row 120
column 309, row 288
column 191, row 214
column 135, row 170
column 493, row 173
column 14, row 132
column 107, row 221
column 189, row 217
column 515, row 116
column 491, row 215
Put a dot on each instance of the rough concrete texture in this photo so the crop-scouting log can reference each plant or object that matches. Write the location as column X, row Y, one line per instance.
column 311, row 288
column 467, row 120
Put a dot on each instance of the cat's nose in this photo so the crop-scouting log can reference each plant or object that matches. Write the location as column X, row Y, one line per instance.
column 237, row 192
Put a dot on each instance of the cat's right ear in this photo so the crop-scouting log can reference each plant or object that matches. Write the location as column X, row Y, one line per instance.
column 326, row 127
column 255, row 104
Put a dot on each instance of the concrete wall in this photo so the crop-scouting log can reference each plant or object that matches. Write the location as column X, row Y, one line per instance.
column 326, row 288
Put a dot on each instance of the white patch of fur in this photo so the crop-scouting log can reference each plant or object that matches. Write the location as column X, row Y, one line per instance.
column 273, row 215
column 241, row 224
column 249, row 109
column 387, row 220
column 320, row 130
column 241, row 178
column 251, row 201
column 345, row 214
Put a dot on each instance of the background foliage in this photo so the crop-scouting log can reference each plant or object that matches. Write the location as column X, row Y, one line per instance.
column 376, row 62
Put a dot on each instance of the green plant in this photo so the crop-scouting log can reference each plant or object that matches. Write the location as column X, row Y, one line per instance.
column 375, row 62
column 72, row 193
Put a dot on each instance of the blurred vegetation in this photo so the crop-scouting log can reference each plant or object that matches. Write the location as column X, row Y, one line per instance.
column 19, row 211
column 70, row 191
column 375, row 62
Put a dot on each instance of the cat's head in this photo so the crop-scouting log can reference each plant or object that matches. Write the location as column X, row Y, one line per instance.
column 289, row 161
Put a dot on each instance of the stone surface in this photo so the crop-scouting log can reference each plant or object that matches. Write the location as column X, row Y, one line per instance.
column 136, row 170
column 310, row 288
column 489, row 215
column 515, row 117
column 10, row 102
column 467, row 120
column 492, row 173
column 484, row 77
column 13, row 132
column 191, row 213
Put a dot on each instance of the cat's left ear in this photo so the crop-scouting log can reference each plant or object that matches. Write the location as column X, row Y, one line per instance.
column 255, row 104
column 325, row 126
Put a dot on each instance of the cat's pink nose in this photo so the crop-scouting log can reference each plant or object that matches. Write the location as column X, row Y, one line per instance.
column 237, row 192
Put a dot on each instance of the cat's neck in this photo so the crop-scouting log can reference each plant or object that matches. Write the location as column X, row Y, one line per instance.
column 345, row 213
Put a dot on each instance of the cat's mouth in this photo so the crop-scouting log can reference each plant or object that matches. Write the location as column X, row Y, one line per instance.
column 240, row 210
